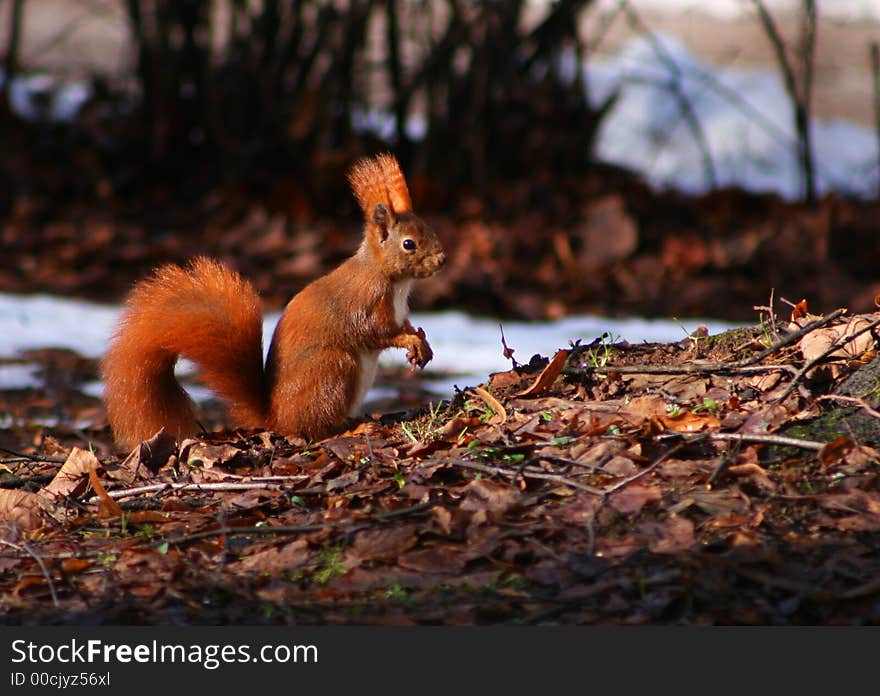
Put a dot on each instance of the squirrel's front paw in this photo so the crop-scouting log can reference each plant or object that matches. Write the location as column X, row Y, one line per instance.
column 419, row 352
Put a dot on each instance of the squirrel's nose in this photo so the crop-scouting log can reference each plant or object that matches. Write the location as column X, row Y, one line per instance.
column 441, row 259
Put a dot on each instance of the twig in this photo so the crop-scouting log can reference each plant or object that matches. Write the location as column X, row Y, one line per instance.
column 771, row 315
column 852, row 400
column 11, row 59
column 265, row 479
column 27, row 549
column 758, row 438
column 794, row 336
column 23, row 457
column 501, row 471
column 692, row 368
column 158, row 487
column 648, row 469
column 800, row 97
column 675, row 87
column 868, row 588
column 568, row 462
column 875, row 80
column 301, row 528
column 839, row 343
column 21, row 481
column 759, row 576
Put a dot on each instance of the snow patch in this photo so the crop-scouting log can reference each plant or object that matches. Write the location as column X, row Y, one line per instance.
column 745, row 117
column 469, row 348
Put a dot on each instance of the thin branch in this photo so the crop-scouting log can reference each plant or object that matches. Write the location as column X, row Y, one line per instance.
column 852, row 400
column 839, row 343
column 875, row 81
column 27, row 549
column 804, row 104
column 765, row 439
column 301, row 528
column 794, row 336
column 676, row 88
column 869, row 588
column 10, row 60
column 693, row 368
column 218, row 486
column 22, row 456
column 524, row 473
column 800, row 97
column 639, row 474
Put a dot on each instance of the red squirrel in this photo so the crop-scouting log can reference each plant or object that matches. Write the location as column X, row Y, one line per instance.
column 323, row 355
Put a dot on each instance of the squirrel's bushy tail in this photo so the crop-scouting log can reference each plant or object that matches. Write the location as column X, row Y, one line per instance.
column 204, row 312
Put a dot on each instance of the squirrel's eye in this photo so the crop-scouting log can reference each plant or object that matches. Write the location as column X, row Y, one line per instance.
column 409, row 244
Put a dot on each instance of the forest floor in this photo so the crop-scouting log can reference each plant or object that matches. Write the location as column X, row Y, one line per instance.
column 728, row 479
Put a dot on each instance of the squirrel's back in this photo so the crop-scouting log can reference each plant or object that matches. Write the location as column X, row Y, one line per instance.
column 204, row 312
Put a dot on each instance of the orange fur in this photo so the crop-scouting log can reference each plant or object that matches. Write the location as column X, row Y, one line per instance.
column 380, row 180
column 323, row 354
column 205, row 313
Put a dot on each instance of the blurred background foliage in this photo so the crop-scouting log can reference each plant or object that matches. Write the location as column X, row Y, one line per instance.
column 240, row 88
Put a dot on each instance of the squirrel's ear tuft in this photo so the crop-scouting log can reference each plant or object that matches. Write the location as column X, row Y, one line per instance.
column 381, row 219
column 398, row 193
column 379, row 181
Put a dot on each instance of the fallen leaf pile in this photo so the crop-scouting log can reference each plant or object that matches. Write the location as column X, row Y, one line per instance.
column 713, row 480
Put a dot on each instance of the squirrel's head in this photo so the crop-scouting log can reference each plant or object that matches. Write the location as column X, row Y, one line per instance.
column 397, row 240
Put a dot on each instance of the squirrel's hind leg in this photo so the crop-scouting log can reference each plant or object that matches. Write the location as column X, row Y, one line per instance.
column 314, row 403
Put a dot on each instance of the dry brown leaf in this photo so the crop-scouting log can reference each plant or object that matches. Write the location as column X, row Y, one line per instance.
column 148, row 517
column 277, row 558
column 548, row 374
column 383, row 544
column 724, row 501
column 689, row 422
column 799, row 310
column 673, row 535
column 145, row 459
column 489, row 496
column 204, row 456
column 764, row 383
column 632, row 498
column 754, row 473
column 441, row 558
column 834, row 451
column 620, row 466
column 107, row 507
column 816, row 343
column 72, row 566
column 493, row 403
column 643, row 408
column 21, row 510
column 73, row 476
